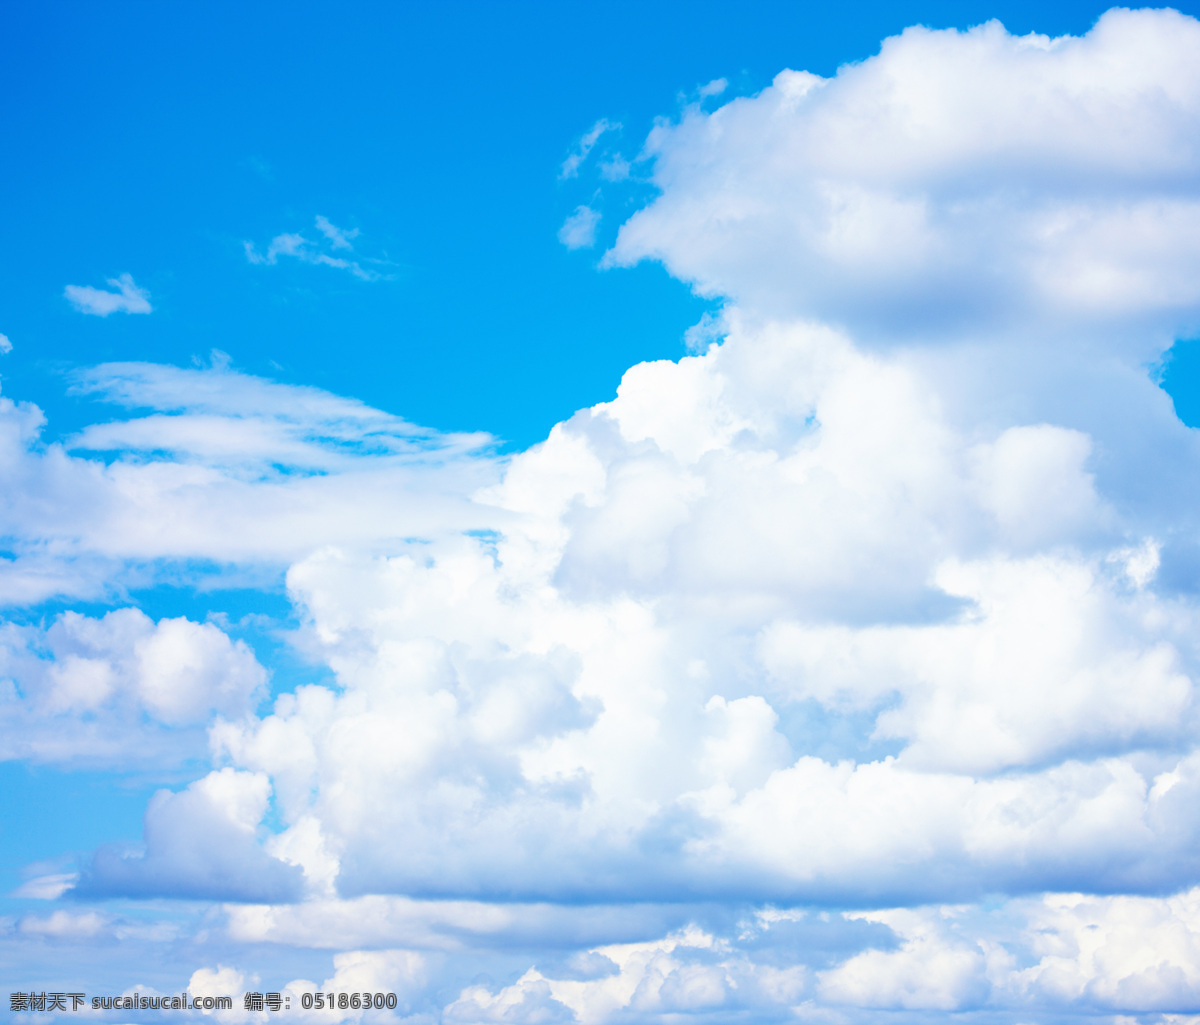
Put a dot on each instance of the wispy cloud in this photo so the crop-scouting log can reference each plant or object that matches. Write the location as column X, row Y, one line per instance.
column 316, row 251
column 615, row 169
column 46, row 887
column 570, row 166
column 579, row 230
column 339, row 238
column 192, row 433
column 127, row 298
column 5, row 344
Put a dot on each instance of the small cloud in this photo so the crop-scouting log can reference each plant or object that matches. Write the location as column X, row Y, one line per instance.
column 711, row 328
column 281, row 245
column 579, row 230
column 5, row 344
column 64, row 925
column 218, row 360
column 95, row 301
column 309, row 251
column 339, row 238
column 570, row 166
column 615, row 169
column 49, row 887
column 714, row 88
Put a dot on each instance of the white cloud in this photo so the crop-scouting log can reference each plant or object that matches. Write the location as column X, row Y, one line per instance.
column 199, row 843
column 665, row 604
column 48, row 887
column 1116, row 952
column 223, row 457
column 528, row 1000
column 64, row 924
column 955, row 183
column 570, row 166
column 307, row 250
column 5, row 345
column 930, row 971
column 615, row 169
column 339, row 238
column 119, row 688
column 579, row 229
column 330, row 923
column 127, row 298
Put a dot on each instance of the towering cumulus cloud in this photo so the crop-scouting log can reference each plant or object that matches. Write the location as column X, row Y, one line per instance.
column 847, row 665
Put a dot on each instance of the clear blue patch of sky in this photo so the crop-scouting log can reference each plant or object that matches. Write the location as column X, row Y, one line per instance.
column 1181, row 380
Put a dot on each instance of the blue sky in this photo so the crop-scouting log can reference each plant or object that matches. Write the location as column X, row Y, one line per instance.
column 544, row 510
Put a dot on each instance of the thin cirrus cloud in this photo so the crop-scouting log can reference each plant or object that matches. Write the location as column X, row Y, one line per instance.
column 99, row 302
column 320, row 252
column 571, row 165
column 849, row 664
column 219, row 455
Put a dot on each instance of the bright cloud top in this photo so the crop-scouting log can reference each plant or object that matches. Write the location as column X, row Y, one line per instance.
column 743, row 692
column 957, row 182
column 127, row 298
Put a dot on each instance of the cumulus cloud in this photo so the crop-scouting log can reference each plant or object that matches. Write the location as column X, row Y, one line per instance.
column 127, row 298
column 956, row 182
column 199, row 843
column 320, row 252
column 119, row 688
column 579, row 229
column 723, row 655
column 865, row 635
column 5, row 345
column 64, row 925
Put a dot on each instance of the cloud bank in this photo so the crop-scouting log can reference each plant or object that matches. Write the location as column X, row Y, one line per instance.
column 846, row 666
column 587, row 142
